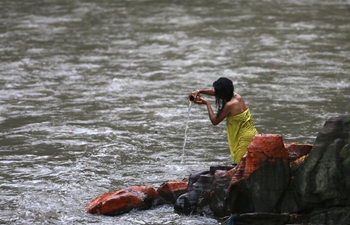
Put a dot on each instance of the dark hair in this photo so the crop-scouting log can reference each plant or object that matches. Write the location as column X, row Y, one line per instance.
column 223, row 92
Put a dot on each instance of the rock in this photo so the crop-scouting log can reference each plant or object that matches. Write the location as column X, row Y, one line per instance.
column 267, row 218
column 319, row 182
column 197, row 183
column 265, row 177
column 296, row 151
column 331, row 216
column 205, row 193
column 122, row 201
column 212, row 201
column 264, row 147
column 171, row 190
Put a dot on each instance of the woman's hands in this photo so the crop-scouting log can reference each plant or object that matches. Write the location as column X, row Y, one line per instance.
column 195, row 93
column 199, row 100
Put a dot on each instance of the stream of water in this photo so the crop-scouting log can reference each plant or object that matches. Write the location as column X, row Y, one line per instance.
column 186, row 128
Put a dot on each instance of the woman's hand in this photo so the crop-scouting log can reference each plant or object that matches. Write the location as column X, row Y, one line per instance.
column 198, row 100
column 195, row 93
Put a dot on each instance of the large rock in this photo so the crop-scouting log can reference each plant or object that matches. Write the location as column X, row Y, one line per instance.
column 172, row 189
column 122, row 201
column 205, row 193
column 322, row 181
column 265, row 177
column 336, row 216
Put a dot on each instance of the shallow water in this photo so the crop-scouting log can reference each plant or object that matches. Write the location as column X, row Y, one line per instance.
column 94, row 93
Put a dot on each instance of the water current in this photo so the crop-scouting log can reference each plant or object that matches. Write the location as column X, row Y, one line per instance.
column 93, row 94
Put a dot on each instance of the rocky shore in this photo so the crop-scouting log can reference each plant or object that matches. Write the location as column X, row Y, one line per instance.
column 275, row 183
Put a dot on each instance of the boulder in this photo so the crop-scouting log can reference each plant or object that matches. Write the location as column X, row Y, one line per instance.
column 322, row 181
column 205, row 193
column 122, row 201
column 264, row 176
column 171, row 190
column 335, row 215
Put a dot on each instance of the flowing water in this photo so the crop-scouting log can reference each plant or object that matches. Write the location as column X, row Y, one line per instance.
column 186, row 129
column 94, row 93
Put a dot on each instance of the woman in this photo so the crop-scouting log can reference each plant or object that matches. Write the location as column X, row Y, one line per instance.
column 230, row 105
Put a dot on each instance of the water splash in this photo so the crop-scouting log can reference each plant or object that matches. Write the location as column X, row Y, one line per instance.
column 185, row 139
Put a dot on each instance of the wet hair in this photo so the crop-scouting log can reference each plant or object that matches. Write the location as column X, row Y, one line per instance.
column 223, row 93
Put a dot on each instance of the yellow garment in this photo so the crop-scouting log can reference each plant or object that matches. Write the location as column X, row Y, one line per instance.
column 240, row 132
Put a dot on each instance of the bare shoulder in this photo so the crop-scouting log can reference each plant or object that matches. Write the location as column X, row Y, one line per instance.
column 238, row 97
column 241, row 102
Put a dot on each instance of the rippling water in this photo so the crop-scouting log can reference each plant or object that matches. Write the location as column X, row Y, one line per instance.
column 93, row 93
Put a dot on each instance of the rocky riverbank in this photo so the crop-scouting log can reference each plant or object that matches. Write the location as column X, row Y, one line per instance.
column 275, row 183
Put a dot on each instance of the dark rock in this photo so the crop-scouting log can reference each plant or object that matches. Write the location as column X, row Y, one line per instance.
column 267, row 218
column 197, row 183
column 331, row 216
column 319, row 182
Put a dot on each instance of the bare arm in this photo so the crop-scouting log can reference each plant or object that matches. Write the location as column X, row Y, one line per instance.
column 210, row 92
column 215, row 120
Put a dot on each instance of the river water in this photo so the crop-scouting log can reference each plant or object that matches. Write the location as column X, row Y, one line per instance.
column 93, row 93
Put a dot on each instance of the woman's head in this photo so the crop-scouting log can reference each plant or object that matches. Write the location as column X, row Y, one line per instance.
column 223, row 92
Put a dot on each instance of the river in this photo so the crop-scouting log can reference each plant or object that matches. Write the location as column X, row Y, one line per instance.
column 93, row 93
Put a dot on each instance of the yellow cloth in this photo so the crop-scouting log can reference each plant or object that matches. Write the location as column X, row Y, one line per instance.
column 240, row 132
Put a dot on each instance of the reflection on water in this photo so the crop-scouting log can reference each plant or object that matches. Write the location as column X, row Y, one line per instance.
column 94, row 93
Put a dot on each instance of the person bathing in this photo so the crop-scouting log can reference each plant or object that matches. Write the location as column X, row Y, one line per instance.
column 230, row 105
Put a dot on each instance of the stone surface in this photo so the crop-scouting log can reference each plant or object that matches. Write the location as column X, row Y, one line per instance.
column 331, row 216
column 267, row 218
column 171, row 190
column 122, row 201
column 265, row 177
column 322, row 179
column 296, row 151
column 263, row 148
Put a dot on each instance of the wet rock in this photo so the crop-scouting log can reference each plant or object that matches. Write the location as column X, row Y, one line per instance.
column 265, row 177
column 322, row 181
column 206, row 192
column 197, row 183
column 171, row 190
column 267, row 218
column 336, row 216
column 296, row 151
column 122, row 201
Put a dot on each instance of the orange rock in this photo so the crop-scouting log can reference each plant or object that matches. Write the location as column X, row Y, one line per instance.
column 297, row 150
column 171, row 190
column 264, row 147
column 122, row 201
column 236, row 173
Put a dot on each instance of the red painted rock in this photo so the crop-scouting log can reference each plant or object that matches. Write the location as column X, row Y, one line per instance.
column 236, row 173
column 171, row 190
column 264, row 147
column 122, row 201
column 296, row 151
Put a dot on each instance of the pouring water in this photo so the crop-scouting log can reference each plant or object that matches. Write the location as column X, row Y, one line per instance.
column 185, row 139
